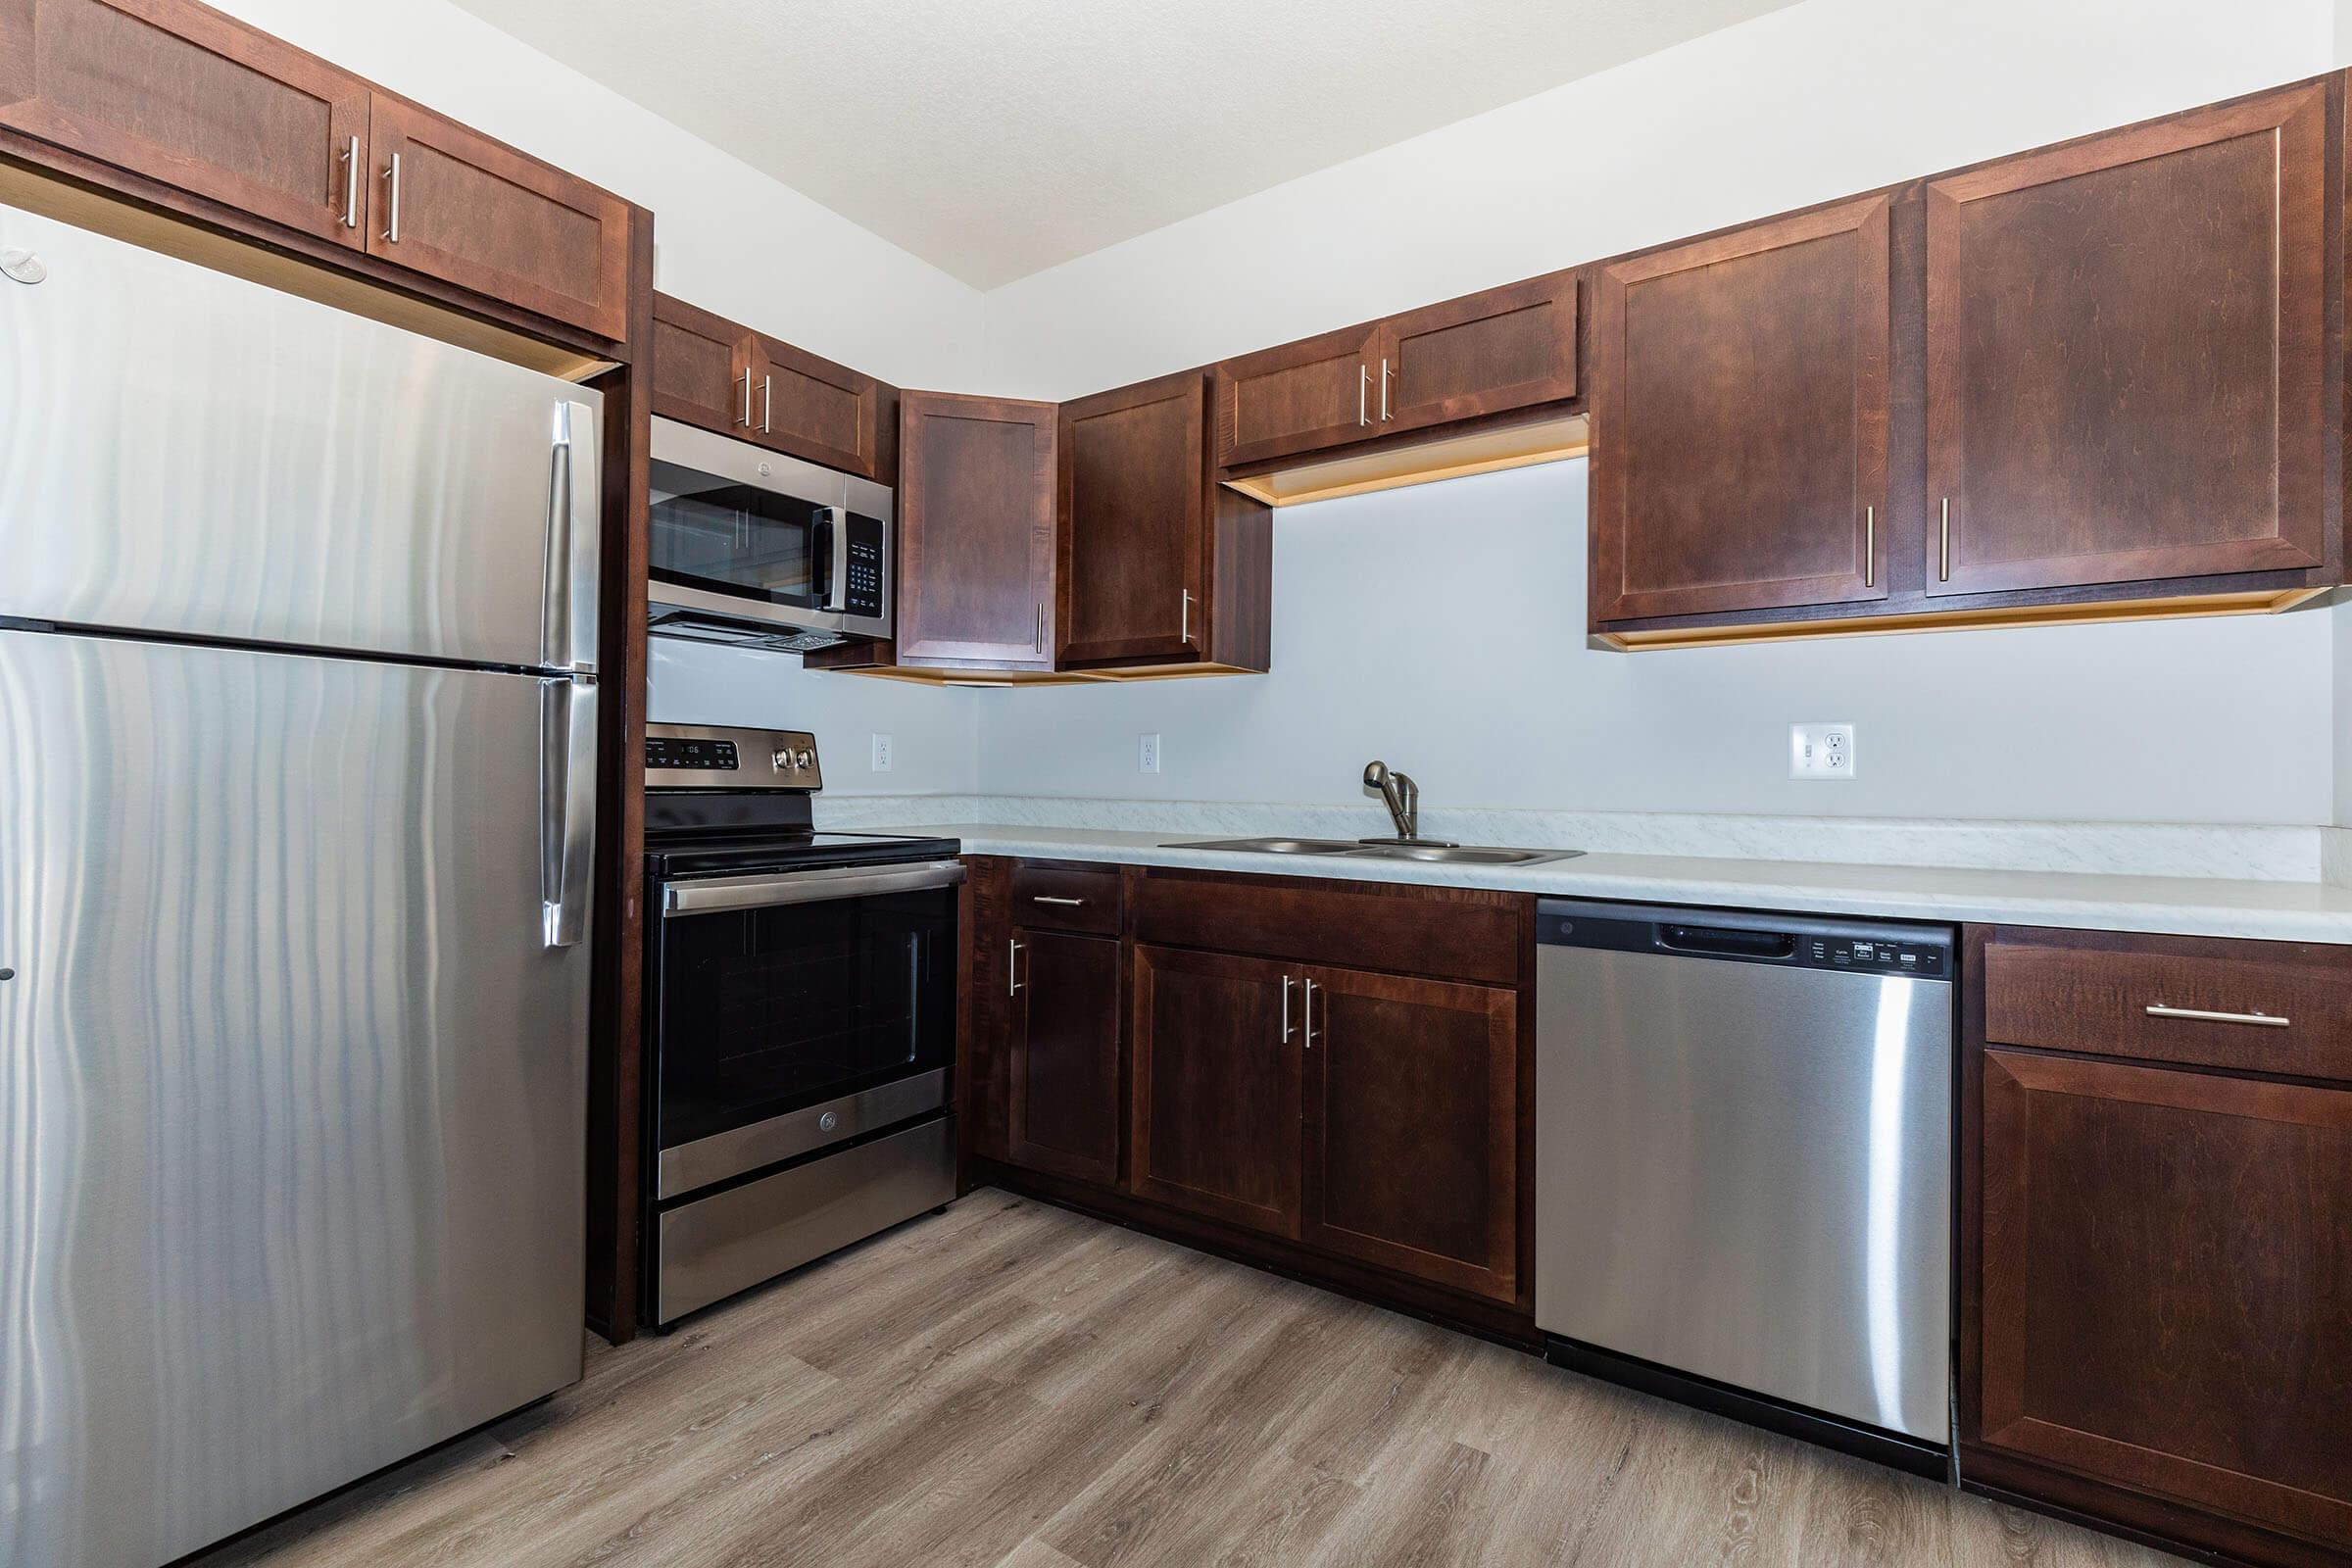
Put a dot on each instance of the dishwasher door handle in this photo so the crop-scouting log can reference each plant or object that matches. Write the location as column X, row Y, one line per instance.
column 1727, row 942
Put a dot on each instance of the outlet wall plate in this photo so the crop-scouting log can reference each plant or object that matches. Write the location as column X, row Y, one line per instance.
column 1147, row 754
column 881, row 752
column 1821, row 751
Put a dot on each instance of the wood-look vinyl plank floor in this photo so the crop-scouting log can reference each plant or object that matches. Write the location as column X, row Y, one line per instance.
column 1010, row 1386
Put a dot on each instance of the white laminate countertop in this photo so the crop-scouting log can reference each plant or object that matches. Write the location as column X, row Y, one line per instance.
column 2290, row 911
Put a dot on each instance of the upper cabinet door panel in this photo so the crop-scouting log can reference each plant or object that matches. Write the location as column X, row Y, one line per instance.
column 1134, row 522
column 698, row 367
column 2125, row 354
column 814, row 409
column 476, row 213
column 1298, row 398
column 976, row 531
column 1504, row 349
column 1740, row 404
column 183, row 95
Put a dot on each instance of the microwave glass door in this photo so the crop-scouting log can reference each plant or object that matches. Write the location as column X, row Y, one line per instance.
column 770, row 1010
column 739, row 539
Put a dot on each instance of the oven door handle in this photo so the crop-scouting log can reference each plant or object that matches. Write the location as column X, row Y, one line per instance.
column 805, row 887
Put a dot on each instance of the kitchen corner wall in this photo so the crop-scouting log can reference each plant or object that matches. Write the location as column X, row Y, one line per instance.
column 1442, row 628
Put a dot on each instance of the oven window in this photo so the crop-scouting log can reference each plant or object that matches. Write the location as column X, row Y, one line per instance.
column 764, row 1011
column 734, row 538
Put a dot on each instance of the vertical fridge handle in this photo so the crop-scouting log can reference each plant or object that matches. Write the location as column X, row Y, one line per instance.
column 566, row 806
column 567, row 620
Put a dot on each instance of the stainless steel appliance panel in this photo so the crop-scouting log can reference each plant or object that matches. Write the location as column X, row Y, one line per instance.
column 293, row 1086
column 772, row 1142
column 188, row 453
column 713, row 1246
column 1744, row 1172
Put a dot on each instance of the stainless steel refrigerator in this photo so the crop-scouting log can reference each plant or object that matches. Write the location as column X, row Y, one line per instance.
column 297, row 745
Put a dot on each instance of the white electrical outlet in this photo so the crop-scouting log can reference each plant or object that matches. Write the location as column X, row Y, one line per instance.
column 1821, row 751
column 1146, row 755
column 881, row 752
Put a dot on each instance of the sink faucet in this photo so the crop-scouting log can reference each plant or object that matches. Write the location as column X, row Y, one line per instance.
column 1402, row 797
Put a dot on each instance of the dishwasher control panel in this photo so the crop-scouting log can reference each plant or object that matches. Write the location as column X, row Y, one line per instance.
column 1878, row 957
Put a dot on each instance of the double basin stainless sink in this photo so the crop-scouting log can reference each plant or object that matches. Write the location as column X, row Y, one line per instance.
column 1373, row 850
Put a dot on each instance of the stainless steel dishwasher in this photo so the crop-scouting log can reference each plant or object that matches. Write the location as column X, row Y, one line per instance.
column 1743, row 1166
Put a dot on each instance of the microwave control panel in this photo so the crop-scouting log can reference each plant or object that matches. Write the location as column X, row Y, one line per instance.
column 862, row 594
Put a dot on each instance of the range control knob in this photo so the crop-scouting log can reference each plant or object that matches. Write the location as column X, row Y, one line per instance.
column 803, row 758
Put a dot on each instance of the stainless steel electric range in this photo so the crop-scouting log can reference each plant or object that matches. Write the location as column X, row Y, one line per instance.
column 800, row 1018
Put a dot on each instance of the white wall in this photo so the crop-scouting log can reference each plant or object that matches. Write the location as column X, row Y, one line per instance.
column 1442, row 627
column 733, row 240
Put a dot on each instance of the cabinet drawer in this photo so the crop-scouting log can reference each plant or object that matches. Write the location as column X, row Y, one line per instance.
column 1066, row 897
column 2285, row 1006
column 1449, row 933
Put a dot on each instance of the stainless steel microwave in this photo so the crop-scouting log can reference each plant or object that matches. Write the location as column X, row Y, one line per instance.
column 754, row 548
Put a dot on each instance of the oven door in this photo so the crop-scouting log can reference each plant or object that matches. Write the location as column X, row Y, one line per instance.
column 798, row 1010
column 748, row 535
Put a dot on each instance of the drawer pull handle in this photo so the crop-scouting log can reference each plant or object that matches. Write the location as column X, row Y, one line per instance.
column 1048, row 897
column 2261, row 1020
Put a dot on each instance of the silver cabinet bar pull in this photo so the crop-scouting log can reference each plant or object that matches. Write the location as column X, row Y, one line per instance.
column 1384, row 391
column 1184, row 623
column 2260, row 1020
column 392, row 176
column 768, row 405
column 1013, row 968
column 747, row 397
column 1066, row 904
column 1869, row 547
column 1364, row 395
column 351, row 184
column 1943, row 549
column 1307, row 1013
column 1285, row 1009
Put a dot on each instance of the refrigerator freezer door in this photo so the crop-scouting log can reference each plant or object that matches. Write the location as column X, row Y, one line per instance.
column 187, row 453
column 292, row 1089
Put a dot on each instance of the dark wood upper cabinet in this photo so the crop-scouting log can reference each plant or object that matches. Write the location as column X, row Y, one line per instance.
column 1301, row 397
column 1487, row 353
column 1062, row 1053
column 184, row 95
column 1412, row 1141
column 2128, row 354
column 456, row 205
column 1216, row 1104
column 1740, row 404
column 1134, row 500
column 698, row 367
column 814, row 409
column 975, row 531
column 2162, row 1287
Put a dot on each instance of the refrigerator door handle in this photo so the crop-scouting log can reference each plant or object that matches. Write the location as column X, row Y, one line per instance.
column 567, row 806
column 569, row 619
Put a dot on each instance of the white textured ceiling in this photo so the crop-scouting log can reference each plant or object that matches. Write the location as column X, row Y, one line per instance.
column 997, row 137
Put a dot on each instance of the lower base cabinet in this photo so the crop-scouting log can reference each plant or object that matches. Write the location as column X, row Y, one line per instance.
column 1412, row 1126
column 1215, row 1126
column 1063, row 1061
column 1373, row 1119
column 2157, row 1254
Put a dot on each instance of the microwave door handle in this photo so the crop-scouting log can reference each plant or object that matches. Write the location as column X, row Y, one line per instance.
column 833, row 532
column 567, row 616
column 566, row 806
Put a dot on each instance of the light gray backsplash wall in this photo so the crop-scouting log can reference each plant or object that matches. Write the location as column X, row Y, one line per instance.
column 1443, row 629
